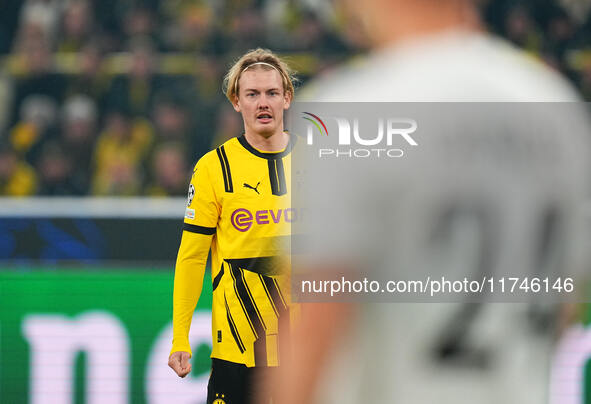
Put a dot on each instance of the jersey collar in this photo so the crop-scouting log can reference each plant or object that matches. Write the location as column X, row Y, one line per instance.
column 268, row 156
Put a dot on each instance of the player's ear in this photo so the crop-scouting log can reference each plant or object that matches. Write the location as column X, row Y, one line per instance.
column 287, row 100
column 236, row 104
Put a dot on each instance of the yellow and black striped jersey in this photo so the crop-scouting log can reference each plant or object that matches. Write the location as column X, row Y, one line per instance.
column 239, row 205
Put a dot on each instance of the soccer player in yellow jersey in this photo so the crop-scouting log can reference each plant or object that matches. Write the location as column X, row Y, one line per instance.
column 239, row 207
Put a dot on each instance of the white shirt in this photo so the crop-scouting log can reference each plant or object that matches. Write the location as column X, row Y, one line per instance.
column 388, row 357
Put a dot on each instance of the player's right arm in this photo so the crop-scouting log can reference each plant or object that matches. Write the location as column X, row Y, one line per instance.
column 198, row 231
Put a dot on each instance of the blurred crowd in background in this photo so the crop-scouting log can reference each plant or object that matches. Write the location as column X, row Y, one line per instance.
column 112, row 97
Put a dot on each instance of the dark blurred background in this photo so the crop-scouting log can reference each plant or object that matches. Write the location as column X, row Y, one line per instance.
column 121, row 98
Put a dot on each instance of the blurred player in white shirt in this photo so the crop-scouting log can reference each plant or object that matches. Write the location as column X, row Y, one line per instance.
column 435, row 51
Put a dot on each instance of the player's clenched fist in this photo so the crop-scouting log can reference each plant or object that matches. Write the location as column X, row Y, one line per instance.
column 179, row 362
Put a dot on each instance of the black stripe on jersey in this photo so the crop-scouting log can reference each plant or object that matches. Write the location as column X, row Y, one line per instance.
column 269, row 155
column 235, row 282
column 273, row 177
column 259, row 265
column 223, row 168
column 233, row 328
column 279, row 293
column 253, row 315
column 231, row 186
column 218, row 278
column 274, row 294
column 221, row 151
column 251, row 300
column 193, row 228
column 281, row 176
column 273, row 303
column 277, row 177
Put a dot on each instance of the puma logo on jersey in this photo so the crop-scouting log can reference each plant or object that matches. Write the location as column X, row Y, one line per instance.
column 253, row 188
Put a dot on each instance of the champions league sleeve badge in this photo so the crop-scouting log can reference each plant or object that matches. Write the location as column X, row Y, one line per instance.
column 190, row 194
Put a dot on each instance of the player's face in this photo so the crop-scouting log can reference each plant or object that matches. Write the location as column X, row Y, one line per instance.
column 262, row 101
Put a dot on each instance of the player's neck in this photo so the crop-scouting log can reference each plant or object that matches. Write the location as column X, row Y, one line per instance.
column 274, row 143
column 433, row 21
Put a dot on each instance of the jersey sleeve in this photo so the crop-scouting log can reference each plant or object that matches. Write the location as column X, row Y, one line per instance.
column 200, row 223
column 203, row 208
